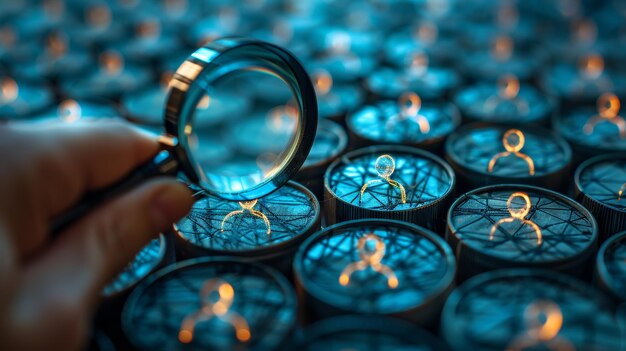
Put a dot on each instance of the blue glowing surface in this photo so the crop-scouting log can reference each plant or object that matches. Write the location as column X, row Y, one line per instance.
column 291, row 211
column 474, row 148
column 423, row 266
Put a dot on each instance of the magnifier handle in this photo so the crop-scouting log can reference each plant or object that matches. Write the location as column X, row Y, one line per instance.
column 163, row 164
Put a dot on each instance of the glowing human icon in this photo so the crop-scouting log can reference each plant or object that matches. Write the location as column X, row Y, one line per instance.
column 508, row 91
column 513, row 148
column 215, row 308
column 69, row 111
column 608, row 105
column 620, row 192
column 417, row 66
column 112, row 63
column 427, row 33
column 543, row 320
column 385, row 166
column 99, row 16
column 323, row 82
column 584, row 31
column 9, row 91
column 519, row 216
column 371, row 251
column 502, row 48
column 247, row 206
column 56, row 45
column 409, row 105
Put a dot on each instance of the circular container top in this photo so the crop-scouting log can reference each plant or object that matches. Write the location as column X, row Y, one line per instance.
column 611, row 265
column 333, row 266
column 432, row 84
column 605, row 136
column 143, row 264
column 476, row 146
column 482, row 102
column 425, row 178
column 522, row 224
column 497, row 310
column 330, row 141
column 383, row 122
column 165, row 312
column 289, row 214
column 603, row 179
column 366, row 334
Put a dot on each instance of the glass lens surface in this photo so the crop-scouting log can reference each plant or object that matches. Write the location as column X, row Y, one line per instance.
column 243, row 130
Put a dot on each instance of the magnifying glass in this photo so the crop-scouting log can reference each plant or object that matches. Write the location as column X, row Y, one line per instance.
column 239, row 152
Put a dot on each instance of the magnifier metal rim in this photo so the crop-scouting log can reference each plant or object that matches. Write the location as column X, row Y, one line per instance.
column 185, row 85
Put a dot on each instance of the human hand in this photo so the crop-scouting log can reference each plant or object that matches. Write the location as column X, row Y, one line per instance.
column 49, row 289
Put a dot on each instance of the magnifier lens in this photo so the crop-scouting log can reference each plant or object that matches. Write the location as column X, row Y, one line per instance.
column 247, row 119
column 253, row 136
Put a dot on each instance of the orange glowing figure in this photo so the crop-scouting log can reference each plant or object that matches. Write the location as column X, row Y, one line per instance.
column 409, row 105
column 69, row 111
column 210, row 309
column 513, row 149
column 620, row 192
column 544, row 320
column 518, row 215
column 502, row 48
column 9, row 91
column 385, row 166
column 323, row 82
column 508, row 91
column 608, row 111
column 247, row 206
column 112, row 63
column 369, row 258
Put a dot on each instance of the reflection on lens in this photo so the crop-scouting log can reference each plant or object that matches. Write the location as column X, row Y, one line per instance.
column 242, row 142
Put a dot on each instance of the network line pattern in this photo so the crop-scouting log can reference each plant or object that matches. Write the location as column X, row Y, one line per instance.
column 144, row 262
column 290, row 211
column 156, row 311
column 566, row 231
column 423, row 180
column 475, row 148
column 421, row 266
column 602, row 181
column 488, row 312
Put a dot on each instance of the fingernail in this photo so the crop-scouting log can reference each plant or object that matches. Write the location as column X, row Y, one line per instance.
column 171, row 203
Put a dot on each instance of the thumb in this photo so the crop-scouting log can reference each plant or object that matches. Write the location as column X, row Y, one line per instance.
column 67, row 279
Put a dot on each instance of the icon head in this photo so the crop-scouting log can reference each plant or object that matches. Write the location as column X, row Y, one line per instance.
column 543, row 319
column 385, row 166
column 409, row 104
column 371, row 248
column 518, row 213
column 608, row 105
column 508, row 86
column 513, row 140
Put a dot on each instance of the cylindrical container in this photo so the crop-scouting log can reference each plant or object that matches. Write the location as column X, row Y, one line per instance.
column 507, row 102
column 483, row 154
column 524, row 309
column 406, row 121
column 600, row 186
column 508, row 226
column 267, row 230
column 154, row 256
column 593, row 131
column 610, row 273
column 70, row 110
column 20, row 100
column 379, row 267
column 431, row 83
column 365, row 333
column 211, row 304
column 330, row 141
column 389, row 182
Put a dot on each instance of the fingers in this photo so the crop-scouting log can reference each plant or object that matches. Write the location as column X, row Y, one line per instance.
column 86, row 157
column 68, row 279
column 52, row 165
